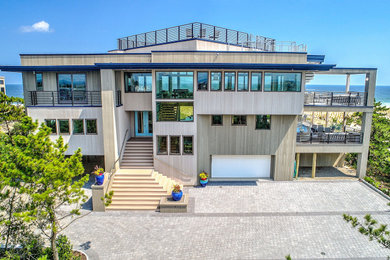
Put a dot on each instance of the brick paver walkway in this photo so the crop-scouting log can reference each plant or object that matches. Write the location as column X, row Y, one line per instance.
column 265, row 220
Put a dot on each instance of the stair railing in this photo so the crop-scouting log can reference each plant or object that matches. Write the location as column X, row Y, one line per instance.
column 178, row 174
column 113, row 170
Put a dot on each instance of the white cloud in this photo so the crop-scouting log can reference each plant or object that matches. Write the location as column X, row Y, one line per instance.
column 41, row 26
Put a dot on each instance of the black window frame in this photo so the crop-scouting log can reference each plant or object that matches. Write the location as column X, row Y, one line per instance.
column 72, row 100
column 56, row 126
column 268, row 119
column 170, row 144
column 135, row 72
column 234, row 82
column 158, row 143
column 59, row 126
column 192, row 145
column 261, row 81
column 73, row 124
column 247, row 83
column 283, row 72
column 178, row 104
column 86, row 126
column 220, row 82
column 36, row 81
column 197, row 81
column 240, row 123
column 159, row 96
column 212, row 120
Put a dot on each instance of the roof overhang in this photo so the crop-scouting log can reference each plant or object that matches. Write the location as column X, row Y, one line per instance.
column 315, row 58
column 122, row 66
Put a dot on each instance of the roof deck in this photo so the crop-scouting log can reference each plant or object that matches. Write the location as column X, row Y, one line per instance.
column 208, row 32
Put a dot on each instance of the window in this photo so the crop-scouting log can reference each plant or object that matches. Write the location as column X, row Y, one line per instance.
column 230, row 81
column 187, row 145
column 168, row 111
column 175, row 85
column 216, row 81
column 63, row 125
column 138, row 82
column 1, row 82
column 242, row 81
column 282, row 82
column 162, row 145
column 203, row 80
column 238, row 120
column 216, row 120
column 263, row 122
column 78, row 126
column 256, row 81
column 91, row 125
column 39, row 81
column 52, row 124
column 72, row 88
column 174, row 146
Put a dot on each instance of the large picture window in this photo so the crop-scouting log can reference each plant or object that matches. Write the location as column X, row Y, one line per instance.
column 72, row 88
column 285, row 82
column 216, row 81
column 174, row 85
column 138, row 82
column 242, row 81
column 182, row 111
column 230, row 81
column 256, row 81
column 203, row 80
column 263, row 122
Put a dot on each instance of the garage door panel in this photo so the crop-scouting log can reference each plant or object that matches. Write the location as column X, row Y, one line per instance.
column 241, row 166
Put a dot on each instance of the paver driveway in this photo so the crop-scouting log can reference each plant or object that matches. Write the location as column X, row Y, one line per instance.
column 254, row 220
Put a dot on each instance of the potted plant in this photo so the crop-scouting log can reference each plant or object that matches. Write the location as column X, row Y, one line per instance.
column 177, row 193
column 203, row 179
column 99, row 175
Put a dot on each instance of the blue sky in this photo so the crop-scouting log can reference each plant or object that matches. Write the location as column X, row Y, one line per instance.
column 350, row 33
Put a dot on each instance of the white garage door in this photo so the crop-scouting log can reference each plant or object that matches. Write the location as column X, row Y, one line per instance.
column 241, row 166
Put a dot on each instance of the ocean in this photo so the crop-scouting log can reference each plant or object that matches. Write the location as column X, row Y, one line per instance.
column 382, row 93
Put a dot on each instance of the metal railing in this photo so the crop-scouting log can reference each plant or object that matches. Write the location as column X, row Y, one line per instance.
column 330, row 138
column 64, row 98
column 336, row 98
column 208, row 32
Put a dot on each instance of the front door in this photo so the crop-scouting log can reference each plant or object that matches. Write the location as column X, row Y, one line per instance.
column 143, row 123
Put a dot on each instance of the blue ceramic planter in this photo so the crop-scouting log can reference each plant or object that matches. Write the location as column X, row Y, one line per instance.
column 177, row 195
column 203, row 183
column 99, row 179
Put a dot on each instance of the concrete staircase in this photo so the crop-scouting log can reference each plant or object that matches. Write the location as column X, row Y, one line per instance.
column 138, row 154
column 139, row 189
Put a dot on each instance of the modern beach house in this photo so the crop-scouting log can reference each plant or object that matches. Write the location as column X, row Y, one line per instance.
column 2, row 84
column 195, row 98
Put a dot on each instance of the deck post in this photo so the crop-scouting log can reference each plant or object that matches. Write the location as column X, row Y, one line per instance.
column 297, row 165
column 313, row 167
column 348, row 83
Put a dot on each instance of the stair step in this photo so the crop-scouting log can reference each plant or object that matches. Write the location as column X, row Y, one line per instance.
column 153, row 190
column 134, row 181
column 139, row 194
column 140, row 198
column 131, row 207
column 135, row 202
column 136, row 186
column 141, row 159
column 136, row 167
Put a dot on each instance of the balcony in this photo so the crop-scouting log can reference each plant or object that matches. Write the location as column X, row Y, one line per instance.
column 330, row 138
column 64, row 98
column 342, row 99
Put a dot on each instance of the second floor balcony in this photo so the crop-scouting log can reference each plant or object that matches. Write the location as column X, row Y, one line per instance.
column 64, row 98
column 348, row 99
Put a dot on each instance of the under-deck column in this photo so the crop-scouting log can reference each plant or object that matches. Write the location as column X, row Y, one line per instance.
column 297, row 165
column 313, row 167
column 348, row 83
column 108, row 117
column 363, row 157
